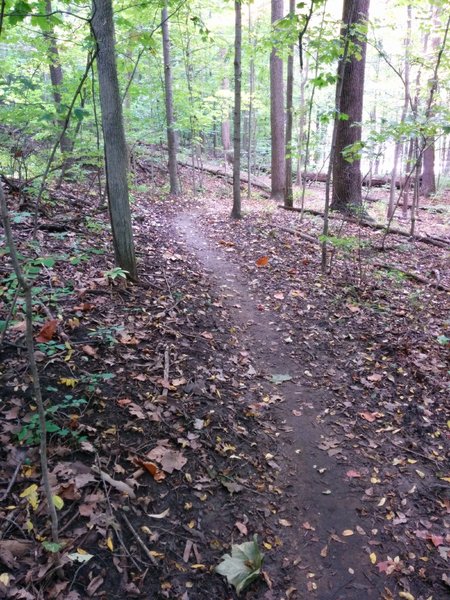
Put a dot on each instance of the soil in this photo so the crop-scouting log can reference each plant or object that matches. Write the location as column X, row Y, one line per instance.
column 309, row 409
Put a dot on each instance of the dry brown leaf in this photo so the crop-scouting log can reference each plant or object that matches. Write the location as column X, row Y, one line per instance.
column 48, row 331
column 262, row 262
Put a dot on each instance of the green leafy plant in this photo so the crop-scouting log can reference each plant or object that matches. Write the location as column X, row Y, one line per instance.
column 106, row 334
column 243, row 565
column 30, row 432
column 114, row 273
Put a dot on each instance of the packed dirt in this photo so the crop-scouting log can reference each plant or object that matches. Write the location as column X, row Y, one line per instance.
column 310, row 409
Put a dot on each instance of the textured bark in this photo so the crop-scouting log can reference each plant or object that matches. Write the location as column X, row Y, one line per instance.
column 171, row 133
column 250, row 104
column 277, row 114
column 116, row 161
column 428, row 174
column 288, row 194
column 406, row 103
column 225, row 127
column 236, row 212
column 57, row 78
column 346, row 192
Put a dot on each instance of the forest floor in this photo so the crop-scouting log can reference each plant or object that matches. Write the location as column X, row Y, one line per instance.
column 236, row 390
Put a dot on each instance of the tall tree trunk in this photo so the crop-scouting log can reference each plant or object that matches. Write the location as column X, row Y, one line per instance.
column 288, row 193
column 428, row 184
column 236, row 212
column 301, row 124
column 171, row 133
column 347, row 175
column 406, row 103
column 57, row 78
column 113, row 137
column 225, row 128
column 250, row 104
column 277, row 113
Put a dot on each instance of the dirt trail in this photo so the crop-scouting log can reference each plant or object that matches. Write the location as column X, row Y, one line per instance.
column 317, row 499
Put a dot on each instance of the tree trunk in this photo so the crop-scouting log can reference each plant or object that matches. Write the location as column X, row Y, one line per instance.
column 346, row 194
column 406, row 103
column 226, row 135
column 301, row 123
column 250, row 103
column 56, row 77
column 113, row 137
column 236, row 212
column 288, row 193
column 277, row 113
column 171, row 133
column 428, row 185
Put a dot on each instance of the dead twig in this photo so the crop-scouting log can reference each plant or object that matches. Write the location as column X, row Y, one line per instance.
column 26, row 289
column 139, row 540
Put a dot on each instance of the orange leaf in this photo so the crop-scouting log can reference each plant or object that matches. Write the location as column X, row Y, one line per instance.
column 47, row 331
column 371, row 417
column 262, row 262
column 153, row 469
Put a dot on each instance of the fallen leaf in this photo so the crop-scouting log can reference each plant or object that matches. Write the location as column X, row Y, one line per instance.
column 375, row 377
column 162, row 515
column 347, row 532
column 242, row 527
column 89, row 350
column 48, row 331
column 262, row 262
column 284, row 523
column 351, row 474
column 153, row 469
column 169, row 459
column 371, row 417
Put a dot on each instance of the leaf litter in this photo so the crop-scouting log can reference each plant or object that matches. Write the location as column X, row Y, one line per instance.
column 177, row 361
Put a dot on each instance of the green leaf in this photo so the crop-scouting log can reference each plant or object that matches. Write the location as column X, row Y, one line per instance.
column 243, row 566
column 52, row 546
column 58, row 502
column 443, row 340
column 277, row 379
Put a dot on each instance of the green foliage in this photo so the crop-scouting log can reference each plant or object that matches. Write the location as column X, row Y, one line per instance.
column 243, row 565
column 30, row 432
column 347, row 243
column 115, row 273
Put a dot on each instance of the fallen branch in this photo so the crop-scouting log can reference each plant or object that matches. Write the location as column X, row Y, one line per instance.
column 408, row 274
column 439, row 242
column 413, row 276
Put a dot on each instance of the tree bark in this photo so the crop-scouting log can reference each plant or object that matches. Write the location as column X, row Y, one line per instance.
column 57, row 78
column 250, row 103
column 225, row 127
column 288, row 193
column 277, row 113
column 346, row 195
column 115, row 147
column 428, row 186
column 171, row 133
column 236, row 212
column 406, row 103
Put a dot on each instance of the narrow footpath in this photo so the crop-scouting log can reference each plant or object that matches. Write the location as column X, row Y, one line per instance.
column 325, row 552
